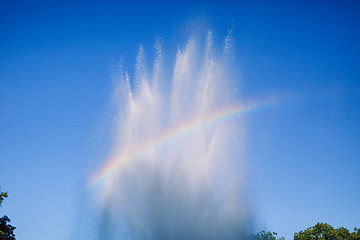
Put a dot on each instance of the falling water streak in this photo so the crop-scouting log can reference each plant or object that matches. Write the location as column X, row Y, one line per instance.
column 178, row 170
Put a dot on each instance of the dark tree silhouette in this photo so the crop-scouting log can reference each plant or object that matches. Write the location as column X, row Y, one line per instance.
column 6, row 230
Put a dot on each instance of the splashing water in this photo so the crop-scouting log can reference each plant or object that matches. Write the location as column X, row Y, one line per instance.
column 177, row 170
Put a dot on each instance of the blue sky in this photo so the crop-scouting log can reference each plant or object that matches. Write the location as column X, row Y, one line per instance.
column 55, row 86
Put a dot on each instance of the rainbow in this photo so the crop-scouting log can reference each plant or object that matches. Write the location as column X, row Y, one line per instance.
column 175, row 133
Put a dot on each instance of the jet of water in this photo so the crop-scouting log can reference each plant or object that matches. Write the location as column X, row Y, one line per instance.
column 177, row 170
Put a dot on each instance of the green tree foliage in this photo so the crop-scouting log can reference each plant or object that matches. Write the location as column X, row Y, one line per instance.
column 2, row 196
column 6, row 230
column 324, row 231
column 268, row 236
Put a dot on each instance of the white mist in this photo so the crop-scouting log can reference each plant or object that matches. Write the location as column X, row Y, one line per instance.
column 173, row 173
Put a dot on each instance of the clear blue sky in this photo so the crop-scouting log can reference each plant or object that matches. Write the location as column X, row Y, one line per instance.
column 55, row 83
